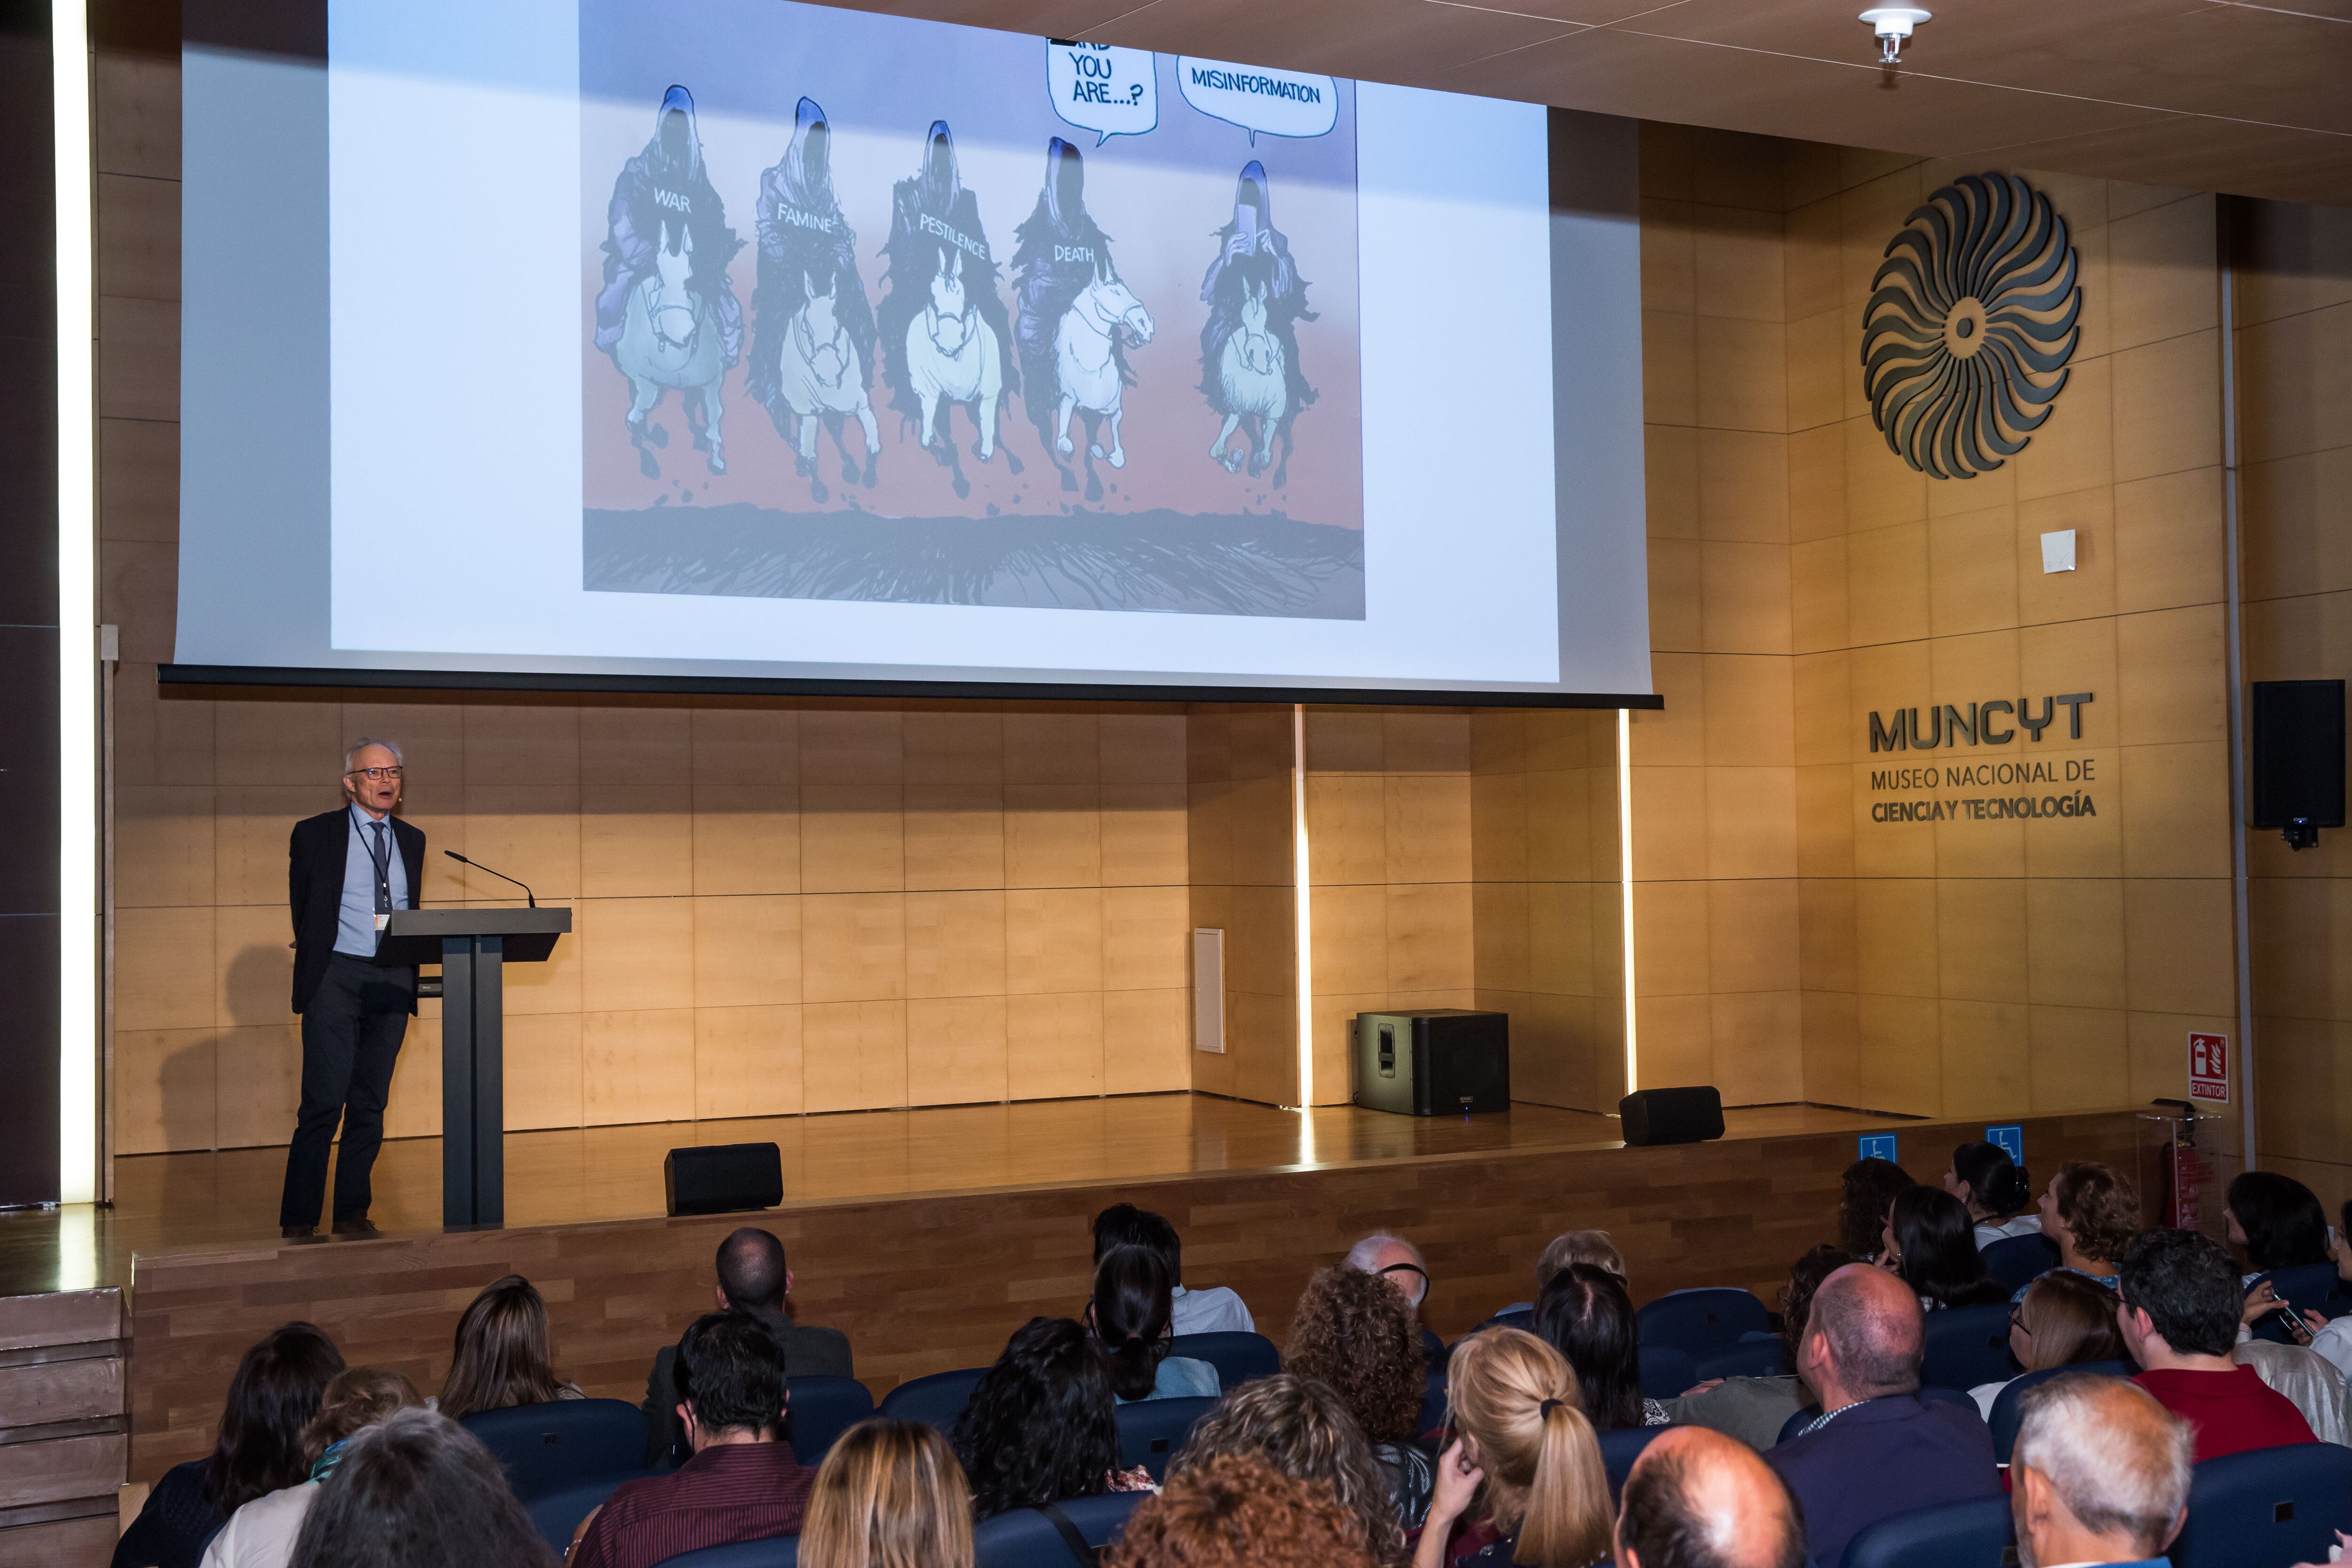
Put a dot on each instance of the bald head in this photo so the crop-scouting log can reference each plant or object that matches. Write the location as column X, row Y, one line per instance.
column 1394, row 1260
column 1696, row 1499
column 1863, row 1337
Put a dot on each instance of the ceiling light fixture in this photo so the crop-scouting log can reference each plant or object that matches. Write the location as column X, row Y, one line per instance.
column 1894, row 24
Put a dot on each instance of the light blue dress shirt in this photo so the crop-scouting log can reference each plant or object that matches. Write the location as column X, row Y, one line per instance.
column 356, row 932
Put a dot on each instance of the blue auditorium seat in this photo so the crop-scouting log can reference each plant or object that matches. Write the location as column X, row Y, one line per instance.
column 1756, row 1355
column 1151, row 1430
column 1621, row 1448
column 2007, row 1405
column 1700, row 1322
column 1433, row 1349
column 2266, row 1508
column 1977, row 1533
column 564, row 1441
column 2017, row 1260
column 820, row 1409
column 775, row 1552
column 938, row 1399
column 556, row 1512
column 1967, row 1346
column 2306, row 1287
column 1666, row 1371
column 1517, row 1317
column 1025, row 1537
column 1239, row 1358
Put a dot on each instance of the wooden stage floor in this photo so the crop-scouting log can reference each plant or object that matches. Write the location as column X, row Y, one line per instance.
column 169, row 1202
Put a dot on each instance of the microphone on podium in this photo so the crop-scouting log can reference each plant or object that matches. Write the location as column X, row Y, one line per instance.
column 501, row 876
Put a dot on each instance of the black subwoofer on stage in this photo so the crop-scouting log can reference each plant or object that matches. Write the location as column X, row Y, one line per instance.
column 722, row 1177
column 2298, row 759
column 1434, row 1061
column 1672, row 1115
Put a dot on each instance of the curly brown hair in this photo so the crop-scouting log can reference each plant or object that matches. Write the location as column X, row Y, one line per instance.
column 1238, row 1512
column 1353, row 1332
column 1299, row 1426
column 2098, row 1208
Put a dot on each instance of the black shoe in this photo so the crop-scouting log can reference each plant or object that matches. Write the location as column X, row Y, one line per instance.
column 360, row 1226
column 298, row 1232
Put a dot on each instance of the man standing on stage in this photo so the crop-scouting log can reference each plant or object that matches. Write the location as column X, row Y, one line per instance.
column 347, row 870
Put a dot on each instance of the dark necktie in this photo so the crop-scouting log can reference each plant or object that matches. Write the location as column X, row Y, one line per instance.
column 381, row 853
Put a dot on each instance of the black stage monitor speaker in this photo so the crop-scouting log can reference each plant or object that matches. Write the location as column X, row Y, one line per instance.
column 723, row 1177
column 1672, row 1115
column 2298, row 763
column 1434, row 1061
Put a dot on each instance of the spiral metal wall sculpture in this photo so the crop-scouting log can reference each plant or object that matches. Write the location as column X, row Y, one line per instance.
column 1970, row 323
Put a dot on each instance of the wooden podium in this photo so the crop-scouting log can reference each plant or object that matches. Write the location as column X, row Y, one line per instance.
column 472, row 947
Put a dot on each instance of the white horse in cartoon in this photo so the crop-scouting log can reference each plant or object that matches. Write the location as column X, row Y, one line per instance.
column 953, row 357
column 670, row 338
column 1088, row 371
column 819, row 378
column 1251, row 368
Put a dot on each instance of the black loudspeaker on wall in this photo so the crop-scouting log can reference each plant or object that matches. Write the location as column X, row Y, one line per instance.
column 723, row 1177
column 1672, row 1115
column 2298, row 786
column 1434, row 1061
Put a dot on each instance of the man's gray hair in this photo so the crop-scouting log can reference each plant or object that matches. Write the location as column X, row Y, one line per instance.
column 351, row 755
column 1360, row 1257
column 2112, row 1475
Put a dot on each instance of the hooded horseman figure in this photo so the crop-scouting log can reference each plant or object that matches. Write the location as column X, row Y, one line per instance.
column 805, row 243
column 662, row 188
column 934, row 219
column 1252, row 267
column 1058, row 252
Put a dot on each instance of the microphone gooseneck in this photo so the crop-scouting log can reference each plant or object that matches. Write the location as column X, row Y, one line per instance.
column 501, row 876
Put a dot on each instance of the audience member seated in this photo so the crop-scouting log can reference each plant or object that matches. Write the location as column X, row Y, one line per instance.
column 502, row 1357
column 1592, row 1247
column 2277, row 1223
column 418, row 1491
column 1931, row 1246
column 1040, row 1424
column 1869, row 1190
column 2311, row 1384
column 2063, row 1321
column 1129, row 1314
column 754, row 1277
column 1396, row 1260
column 743, row 1482
column 261, row 1533
column 1512, row 1402
column 2100, row 1474
column 2092, row 1215
column 2179, row 1311
column 1239, row 1511
column 1877, row 1448
column 1215, row 1311
column 1353, row 1334
column 1754, row 1409
column 2334, row 1341
column 1696, row 1499
column 1995, row 1190
column 272, row 1397
column 1302, row 1428
column 1585, row 1315
column 888, row 1495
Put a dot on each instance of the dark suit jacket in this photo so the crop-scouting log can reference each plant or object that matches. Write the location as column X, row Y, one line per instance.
column 808, row 1353
column 1884, row 1458
column 316, row 857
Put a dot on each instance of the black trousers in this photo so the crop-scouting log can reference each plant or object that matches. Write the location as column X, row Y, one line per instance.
column 351, row 1038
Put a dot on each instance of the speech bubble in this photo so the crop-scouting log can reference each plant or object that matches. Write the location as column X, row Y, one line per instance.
column 1110, row 91
column 1259, row 97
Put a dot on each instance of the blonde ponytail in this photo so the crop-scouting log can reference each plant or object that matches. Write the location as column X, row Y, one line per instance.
column 1515, row 1398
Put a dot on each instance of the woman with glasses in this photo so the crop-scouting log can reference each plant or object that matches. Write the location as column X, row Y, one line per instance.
column 2063, row 1321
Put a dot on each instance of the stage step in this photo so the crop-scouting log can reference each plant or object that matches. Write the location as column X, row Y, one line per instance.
column 64, row 1426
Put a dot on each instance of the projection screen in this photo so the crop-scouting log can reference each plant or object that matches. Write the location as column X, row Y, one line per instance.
column 615, row 343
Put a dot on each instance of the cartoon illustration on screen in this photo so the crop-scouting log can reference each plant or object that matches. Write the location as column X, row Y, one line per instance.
column 1076, row 322
column 1249, row 345
column 666, row 313
column 947, row 339
column 813, row 333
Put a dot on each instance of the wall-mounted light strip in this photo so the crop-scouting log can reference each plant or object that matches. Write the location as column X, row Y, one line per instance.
column 77, row 986
column 1625, row 877
column 1303, row 936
